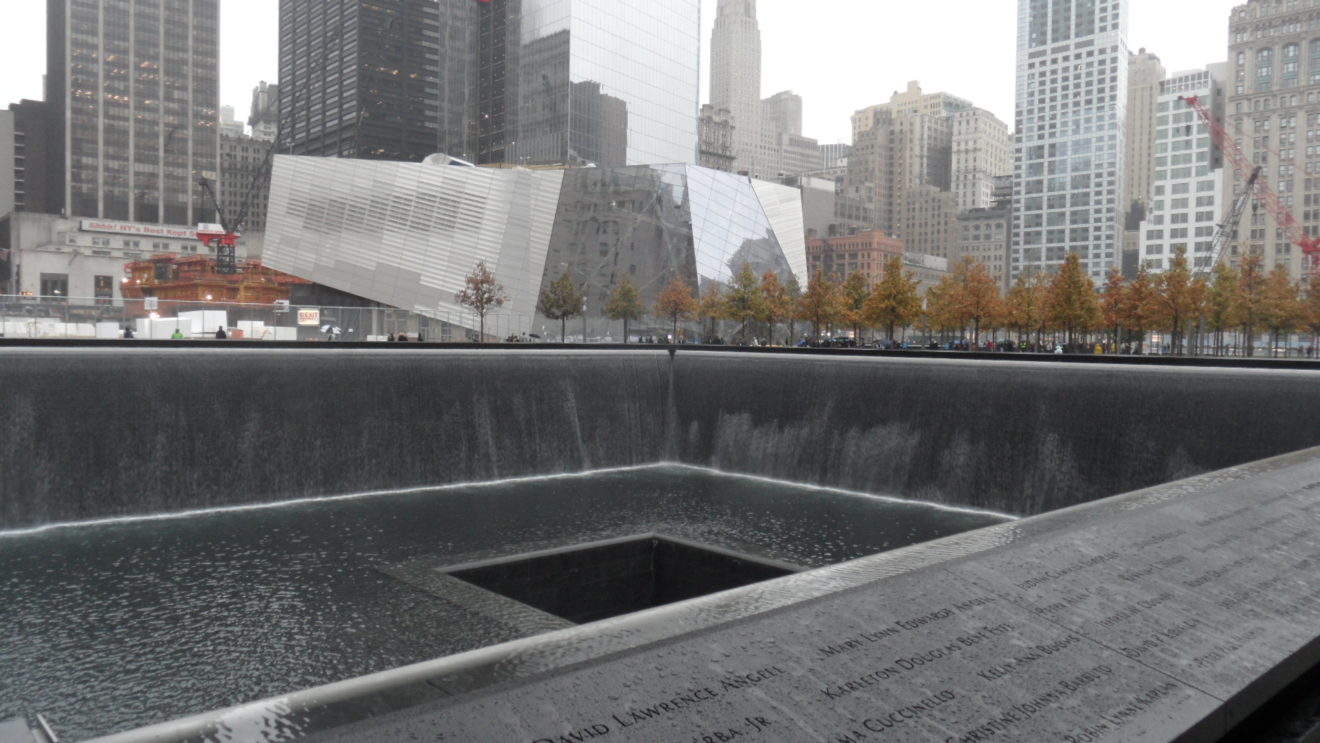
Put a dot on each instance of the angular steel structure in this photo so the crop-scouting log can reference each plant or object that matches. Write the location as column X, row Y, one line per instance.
column 407, row 234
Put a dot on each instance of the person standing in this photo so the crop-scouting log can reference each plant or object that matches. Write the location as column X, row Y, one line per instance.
column 220, row 333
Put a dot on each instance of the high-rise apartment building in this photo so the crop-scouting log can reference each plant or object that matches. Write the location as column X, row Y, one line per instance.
column 1186, row 200
column 133, row 91
column 907, row 159
column 911, row 100
column 519, row 82
column 1271, row 107
column 1145, row 74
column 735, row 76
column 920, row 154
column 982, row 152
column 1071, row 106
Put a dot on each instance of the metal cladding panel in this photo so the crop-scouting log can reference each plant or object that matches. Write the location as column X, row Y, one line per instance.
column 783, row 206
column 408, row 234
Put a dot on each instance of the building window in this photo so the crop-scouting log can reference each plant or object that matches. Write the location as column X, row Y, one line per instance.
column 54, row 285
column 1292, row 63
column 104, row 289
column 1264, row 69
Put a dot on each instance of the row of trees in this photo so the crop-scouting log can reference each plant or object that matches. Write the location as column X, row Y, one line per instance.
column 1246, row 300
column 968, row 304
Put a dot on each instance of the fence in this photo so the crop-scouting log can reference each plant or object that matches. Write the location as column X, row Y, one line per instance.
column 105, row 318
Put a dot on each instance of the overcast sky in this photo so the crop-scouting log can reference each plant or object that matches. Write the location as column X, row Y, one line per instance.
column 839, row 55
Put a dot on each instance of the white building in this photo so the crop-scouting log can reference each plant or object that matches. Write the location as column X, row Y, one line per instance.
column 735, row 76
column 1186, row 199
column 1071, row 107
column 80, row 260
column 982, row 150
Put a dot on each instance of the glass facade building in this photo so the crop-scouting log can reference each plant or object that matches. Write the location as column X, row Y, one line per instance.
column 1072, row 77
column 407, row 234
column 388, row 80
column 518, row 82
column 134, row 88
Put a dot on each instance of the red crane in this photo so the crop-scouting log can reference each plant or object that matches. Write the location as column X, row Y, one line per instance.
column 223, row 237
column 1248, row 172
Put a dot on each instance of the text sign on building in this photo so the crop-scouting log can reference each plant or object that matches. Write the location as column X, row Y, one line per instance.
column 133, row 228
column 309, row 317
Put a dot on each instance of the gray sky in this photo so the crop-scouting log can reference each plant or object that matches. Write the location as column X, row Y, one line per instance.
column 839, row 55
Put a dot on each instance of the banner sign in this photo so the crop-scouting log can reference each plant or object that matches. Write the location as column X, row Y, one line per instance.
column 309, row 317
column 133, row 228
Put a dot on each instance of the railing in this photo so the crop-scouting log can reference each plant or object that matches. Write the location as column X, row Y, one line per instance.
column 58, row 317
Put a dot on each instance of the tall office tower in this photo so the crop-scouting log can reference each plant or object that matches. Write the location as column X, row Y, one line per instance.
column 607, row 82
column 735, row 76
column 982, row 152
column 1072, row 80
column 783, row 150
column 134, row 94
column 363, row 79
column 782, row 112
column 1145, row 74
column 29, row 158
column 264, row 113
column 517, row 82
column 1274, row 86
column 1186, row 201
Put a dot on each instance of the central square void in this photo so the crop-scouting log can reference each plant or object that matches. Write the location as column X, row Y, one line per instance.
column 587, row 582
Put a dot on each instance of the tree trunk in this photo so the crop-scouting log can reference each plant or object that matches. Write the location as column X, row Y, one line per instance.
column 481, row 324
column 625, row 330
column 563, row 333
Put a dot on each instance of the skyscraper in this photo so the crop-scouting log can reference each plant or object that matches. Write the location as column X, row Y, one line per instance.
column 264, row 113
column 1071, row 107
column 519, row 82
column 982, row 152
column 735, row 76
column 133, row 89
column 364, row 79
column 1186, row 200
column 1145, row 76
column 903, row 155
column 1272, row 92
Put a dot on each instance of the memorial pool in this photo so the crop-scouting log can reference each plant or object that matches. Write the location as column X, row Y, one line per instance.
column 123, row 623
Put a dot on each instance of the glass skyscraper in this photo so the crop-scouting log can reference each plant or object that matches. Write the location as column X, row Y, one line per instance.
column 517, row 82
column 389, row 80
column 134, row 99
column 1072, row 76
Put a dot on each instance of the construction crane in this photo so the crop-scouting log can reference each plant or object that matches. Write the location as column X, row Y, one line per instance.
column 1228, row 228
column 1259, row 184
column 223, row 237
